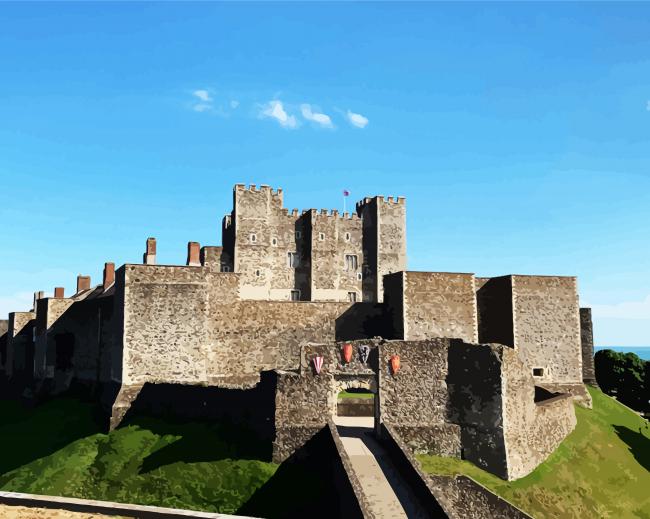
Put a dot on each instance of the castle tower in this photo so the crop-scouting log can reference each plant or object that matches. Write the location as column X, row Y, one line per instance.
column 384, row 241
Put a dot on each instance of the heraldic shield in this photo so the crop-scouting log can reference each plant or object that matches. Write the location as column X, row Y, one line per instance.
column 347, row 352
column 318, row 363
column 364, row 352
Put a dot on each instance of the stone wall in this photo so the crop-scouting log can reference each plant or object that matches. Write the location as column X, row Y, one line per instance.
column 165, row 324
column 384, row 242
column 432, row 304
column 495, row 313
column 476, row 403
column 332, row 237
column 547, row 326
column 532, row 430
column 587, row 345
column 20, row 346
column 264, row 234
column 492, row 396
column 462, row 497
column 187, row 325
column 415, row 400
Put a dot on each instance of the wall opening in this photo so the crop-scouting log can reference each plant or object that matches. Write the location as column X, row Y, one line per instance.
column 355, row 402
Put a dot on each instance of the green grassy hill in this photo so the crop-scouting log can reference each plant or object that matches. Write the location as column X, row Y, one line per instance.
column 601, row 470
column 57, row 449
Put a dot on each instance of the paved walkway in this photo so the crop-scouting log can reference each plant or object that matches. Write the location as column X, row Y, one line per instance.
column 388, row 494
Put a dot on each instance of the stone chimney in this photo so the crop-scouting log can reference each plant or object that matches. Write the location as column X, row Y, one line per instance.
column 38, row 295
column 109, row 275
column 193, row 254
column 83, row 283
column 59, row 293
column 149, row 257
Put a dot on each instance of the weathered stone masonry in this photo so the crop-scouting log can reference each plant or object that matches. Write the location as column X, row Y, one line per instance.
column 483, row 361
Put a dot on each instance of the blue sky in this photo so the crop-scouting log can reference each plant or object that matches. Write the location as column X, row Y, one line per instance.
column 519, row 133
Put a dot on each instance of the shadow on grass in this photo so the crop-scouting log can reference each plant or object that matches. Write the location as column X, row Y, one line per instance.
column 310, row 483
column 31, row 434
column 638, row 443
column 201, row 442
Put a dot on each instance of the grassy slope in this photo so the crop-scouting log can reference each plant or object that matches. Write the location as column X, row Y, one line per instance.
column 600, row 470
column 56, row 449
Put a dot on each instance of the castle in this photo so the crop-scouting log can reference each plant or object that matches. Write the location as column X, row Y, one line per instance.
column 481, row 368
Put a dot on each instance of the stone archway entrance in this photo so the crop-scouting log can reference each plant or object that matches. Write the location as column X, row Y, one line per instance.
column 355, row 400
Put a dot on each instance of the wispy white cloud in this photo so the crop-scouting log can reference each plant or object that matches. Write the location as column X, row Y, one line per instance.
column 275, row 110
column 625, row 310
column 357, row 120
column 234, row 104
column 203, row 95
column 320, row 118
column 647, row 106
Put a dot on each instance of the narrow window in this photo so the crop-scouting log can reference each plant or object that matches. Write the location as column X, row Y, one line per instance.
column 351, row 263
column 293, row 260
column 321, row 236
column 538, row 372
column 258, row 273
column 295, row 295
column 359, row 276
column 274, row 241
column 298, row 235
column 253, row 237
column 352, row 297
column 347, row 236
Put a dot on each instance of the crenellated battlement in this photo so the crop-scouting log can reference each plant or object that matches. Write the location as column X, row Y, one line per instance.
column 263, row 188
column 393, row 200
column 332, row 213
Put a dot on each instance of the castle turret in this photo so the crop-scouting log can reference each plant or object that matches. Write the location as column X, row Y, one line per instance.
column 384, row 241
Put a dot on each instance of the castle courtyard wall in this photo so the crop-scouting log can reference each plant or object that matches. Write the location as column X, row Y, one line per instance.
column 415, row 400
column 187, row 325
column 532, row 429
column 426, row 305
column 547, row 326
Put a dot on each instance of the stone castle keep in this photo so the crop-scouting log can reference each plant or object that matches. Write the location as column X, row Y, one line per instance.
column 488, row 367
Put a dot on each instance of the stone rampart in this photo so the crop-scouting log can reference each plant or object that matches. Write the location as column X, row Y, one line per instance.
column 427, row 305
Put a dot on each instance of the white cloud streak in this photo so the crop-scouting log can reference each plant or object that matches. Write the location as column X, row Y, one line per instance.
column 275, row 110
column 203, row 95
column 357, row 120
column 319, row 118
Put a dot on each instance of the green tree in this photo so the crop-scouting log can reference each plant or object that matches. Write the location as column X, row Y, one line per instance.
column 624, row 375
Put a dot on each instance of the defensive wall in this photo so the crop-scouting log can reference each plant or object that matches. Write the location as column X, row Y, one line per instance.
column 539, row 316
column 484, row 360
column 448, row 398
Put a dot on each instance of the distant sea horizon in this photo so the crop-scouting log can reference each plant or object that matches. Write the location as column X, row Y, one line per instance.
column 642, row 351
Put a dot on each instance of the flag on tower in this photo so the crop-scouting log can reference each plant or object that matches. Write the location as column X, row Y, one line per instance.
column 346, row 192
